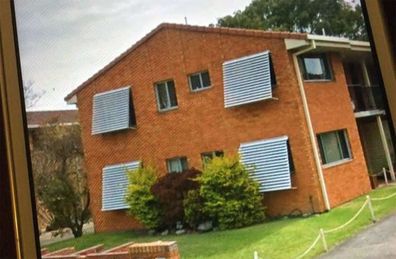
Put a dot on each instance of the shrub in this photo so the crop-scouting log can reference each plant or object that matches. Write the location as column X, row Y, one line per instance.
column 143, row 204
column 231, row 199
column 170, row 191
column 193, row 209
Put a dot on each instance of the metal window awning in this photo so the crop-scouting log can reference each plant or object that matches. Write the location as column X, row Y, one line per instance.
column 111, row 111
column 115, row 184
column 247, row 79
column 268, row 161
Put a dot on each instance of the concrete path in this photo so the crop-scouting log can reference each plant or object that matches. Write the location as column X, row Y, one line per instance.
column 378, row 241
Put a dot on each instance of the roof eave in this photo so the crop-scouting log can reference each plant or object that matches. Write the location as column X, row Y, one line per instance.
column 71, row 99
column 330, row 43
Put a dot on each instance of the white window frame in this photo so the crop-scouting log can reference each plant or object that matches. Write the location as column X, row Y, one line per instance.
column 179, row 159
column 202, row 87
column 167, row 95
column 212, row 153
column 341, row 161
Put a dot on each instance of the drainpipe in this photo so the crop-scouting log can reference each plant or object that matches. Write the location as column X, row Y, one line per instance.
column 309, row 125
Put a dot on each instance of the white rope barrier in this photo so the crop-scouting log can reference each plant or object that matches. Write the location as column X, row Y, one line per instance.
column 322, row 232
column 310, row 248
column 384, row 198
column 349, row 221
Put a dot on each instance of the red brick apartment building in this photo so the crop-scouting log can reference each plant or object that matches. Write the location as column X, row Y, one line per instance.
column 279, row 99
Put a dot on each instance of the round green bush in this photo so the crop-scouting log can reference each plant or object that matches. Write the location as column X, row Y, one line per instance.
column 229, row 197
column 143, row 204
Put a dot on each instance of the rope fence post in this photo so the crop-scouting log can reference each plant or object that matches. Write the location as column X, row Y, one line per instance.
column 255, row 255
column 370, row 206
column 322, row 235
column 385, row 175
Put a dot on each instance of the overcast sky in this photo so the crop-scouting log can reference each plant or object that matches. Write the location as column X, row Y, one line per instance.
column 63, row 42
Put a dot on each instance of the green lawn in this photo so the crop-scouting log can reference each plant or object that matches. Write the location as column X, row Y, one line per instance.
column 286, row 238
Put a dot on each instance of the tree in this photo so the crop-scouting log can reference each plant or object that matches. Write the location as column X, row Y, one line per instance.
column 59, row 176
column 332, row 17
column 227, row 195
column 170, row 190
column 31, row 95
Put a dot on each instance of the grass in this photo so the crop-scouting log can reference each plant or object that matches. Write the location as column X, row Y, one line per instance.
column 285, row 238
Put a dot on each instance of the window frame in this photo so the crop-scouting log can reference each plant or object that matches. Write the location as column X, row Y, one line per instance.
column 326, row 62
column 202, row 88
column 179, row 158
column 212, row 154
column 344, row 133
column 167, row 95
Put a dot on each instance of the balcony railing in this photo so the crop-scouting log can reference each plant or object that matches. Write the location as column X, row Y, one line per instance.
column 366, row 98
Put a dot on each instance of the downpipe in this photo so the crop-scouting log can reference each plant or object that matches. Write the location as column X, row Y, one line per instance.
column 309, row 124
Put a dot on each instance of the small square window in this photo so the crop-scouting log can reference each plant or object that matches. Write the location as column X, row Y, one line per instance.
column 206, row 156
column 315, row 67
column 177, row 164
column 166, row 95
column 195, row 82
column 199, row 81
column 334, row 146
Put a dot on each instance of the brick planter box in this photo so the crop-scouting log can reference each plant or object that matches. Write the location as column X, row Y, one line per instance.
column 153, row 250
column 159, row 249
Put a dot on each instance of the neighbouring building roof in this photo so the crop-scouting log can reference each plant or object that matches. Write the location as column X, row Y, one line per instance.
column 203, row 29
column 37, row 119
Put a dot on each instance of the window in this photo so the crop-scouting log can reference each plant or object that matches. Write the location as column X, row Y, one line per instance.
column 248, row 79
column 166, row 95
column 206, row 156
column 113, row 111
column 199, row 81
column 269, row 162
column 315, row 67
column 334, row 146
column 177, row 164
column 115, row 184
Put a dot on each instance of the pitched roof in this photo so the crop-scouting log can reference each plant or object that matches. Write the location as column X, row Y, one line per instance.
column 221, row 30
column 40, row 118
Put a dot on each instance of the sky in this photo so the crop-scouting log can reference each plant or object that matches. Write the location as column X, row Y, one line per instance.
column 64, row 42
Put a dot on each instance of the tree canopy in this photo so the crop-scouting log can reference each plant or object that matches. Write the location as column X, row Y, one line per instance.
column 59, row 176
column 329, row 17
column 32, row 95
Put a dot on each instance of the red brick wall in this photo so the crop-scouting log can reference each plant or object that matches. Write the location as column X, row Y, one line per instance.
column 201, row 123
column 331, row 109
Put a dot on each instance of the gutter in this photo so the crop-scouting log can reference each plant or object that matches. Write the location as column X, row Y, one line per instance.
column 309, row 124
